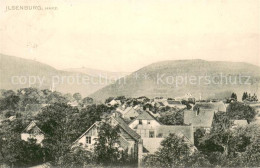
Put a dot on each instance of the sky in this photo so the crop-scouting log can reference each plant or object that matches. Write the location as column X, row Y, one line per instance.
column 125, row 35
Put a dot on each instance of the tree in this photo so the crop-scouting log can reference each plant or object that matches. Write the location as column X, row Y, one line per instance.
column 245, row 96
column 121, row 98
column 77, row 96
column 87, row 101
column 175, row 152
column 216, row 141
column 77, row 157
column 198, row 159
column 55, row 121
column 176, row 118
column 254, row 98
column 238, row 147
column 248, row 97
column 240, row 111
column 9, row 100
column 234, row 96
column 250, row 158
column 221, row 122
column 19, row 153
column 68, row 97
column 106, row 150
column 16, row 152
column 198, row 135
column 109, row 100
column 29, row 96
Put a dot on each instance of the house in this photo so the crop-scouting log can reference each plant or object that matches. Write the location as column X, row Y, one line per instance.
column 152, row 132
column 215, row 106
column 73, row 104
column 114, row 102
column 138, row 107
column 154, row 114
column 174, row 103
column 129, row 140
column 129, row 113
column 199, row 118
column 12, row 118
column 158, row 104
column 145, row 118
column 159, row 99
column 152, row 137
column 142, row 99
column 238, row 123
column 32, row 131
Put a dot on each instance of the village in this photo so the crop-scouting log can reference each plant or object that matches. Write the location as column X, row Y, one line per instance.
column 143, row 125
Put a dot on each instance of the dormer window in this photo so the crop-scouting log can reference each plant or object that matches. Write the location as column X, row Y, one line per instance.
column 140, row 122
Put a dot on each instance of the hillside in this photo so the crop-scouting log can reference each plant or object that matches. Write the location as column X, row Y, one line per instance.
column 15, row 73
column 160, row 79
column 96, row 72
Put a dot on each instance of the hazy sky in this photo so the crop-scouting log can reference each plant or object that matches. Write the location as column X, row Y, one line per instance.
column 125, row 35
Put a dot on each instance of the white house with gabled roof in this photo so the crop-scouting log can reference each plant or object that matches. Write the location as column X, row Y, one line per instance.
column 144, row 119
column 128, row 139
column 32, row 131
column 153, row 132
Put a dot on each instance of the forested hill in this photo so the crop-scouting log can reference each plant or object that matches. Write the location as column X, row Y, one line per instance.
column 16, row 72
column 172, row 79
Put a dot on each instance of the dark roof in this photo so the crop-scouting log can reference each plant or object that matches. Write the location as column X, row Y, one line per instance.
column 217, row 106
column 160, row 103
column 203, row 119
column 145, row 116
column 174, row 102
column 126, row 128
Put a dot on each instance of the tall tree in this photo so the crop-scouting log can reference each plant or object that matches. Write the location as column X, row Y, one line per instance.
column 55, row 121
column 240, row 111
column 77, row 96
column 106, row 149
column 9, row 101
column 234, row 96
column 245, row 96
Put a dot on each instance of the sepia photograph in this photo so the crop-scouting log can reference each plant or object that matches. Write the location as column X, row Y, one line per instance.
column 129, row 83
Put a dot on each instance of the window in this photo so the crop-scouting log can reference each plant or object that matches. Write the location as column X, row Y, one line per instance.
column 88, row 140
column 160, row 135
column 151, row 134
column 140, row 122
